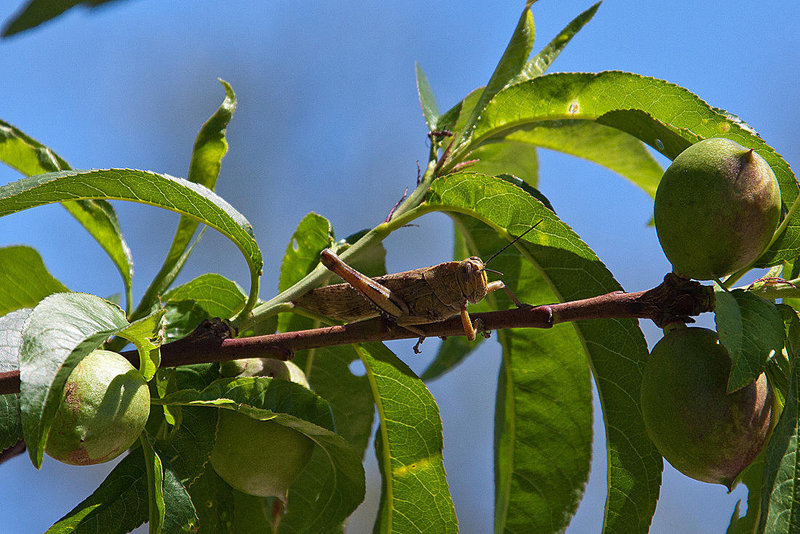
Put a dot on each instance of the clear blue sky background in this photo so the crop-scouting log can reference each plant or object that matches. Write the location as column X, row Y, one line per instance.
column 328, row 121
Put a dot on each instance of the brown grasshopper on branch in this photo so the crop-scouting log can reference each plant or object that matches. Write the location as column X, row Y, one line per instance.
column 415, row 297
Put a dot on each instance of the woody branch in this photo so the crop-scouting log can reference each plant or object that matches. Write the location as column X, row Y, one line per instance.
column 675, row 299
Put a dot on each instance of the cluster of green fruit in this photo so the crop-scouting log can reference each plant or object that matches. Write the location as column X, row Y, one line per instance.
column 716, row 210
column 106, row 404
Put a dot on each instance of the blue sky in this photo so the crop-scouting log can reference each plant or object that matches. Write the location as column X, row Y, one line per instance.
column 328, row 121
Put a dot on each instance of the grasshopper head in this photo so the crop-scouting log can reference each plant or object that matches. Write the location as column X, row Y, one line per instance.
column 472, row 279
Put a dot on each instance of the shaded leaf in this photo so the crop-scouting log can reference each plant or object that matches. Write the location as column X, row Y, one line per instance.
column 751, row 328
column 328, row 489
column 38, row 11
column 155, row 485
column 780, row 508
column 615, row 348
column 119, row 504
column 24, row 279
column 751, row 477
column 10, row 347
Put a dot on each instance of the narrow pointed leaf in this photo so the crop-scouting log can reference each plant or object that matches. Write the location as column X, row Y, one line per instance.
column 751, row 328
column 30, row 157
column 24, row 279
column 414, row 496
column 209, row 149
column 427, row 100
column 38, row 11
column 780, row 507
column 159, row 190
column 542, row 61
column 615, row 348
column 510, row 65
column 155, row 485
column 589, row 96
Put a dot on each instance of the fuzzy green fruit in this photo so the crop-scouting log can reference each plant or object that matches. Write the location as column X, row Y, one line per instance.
column 704, row 432
column 716, row 209
column 261, row 458
column 105, row 406
column 271, row 367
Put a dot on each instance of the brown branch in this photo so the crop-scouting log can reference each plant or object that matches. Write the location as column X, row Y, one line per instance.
column 675, row 299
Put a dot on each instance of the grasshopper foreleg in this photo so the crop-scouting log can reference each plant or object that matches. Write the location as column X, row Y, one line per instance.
column 498, row 284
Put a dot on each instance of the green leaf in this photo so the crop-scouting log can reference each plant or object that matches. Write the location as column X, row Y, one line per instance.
column 119, row 504
column 508, row 157
column 24, row 279
column 751, row 477
column 189, row 446
column 328, row 369
column 38, row 11
column 350, row 396
column 10, row 346
column 312, row 235
column 155, row 485
column 427, row 100
column 146, row 335
column 30, row 157
column 616, row 348
column 332, row 486
column 60, row 331
column 542, row 61
column 10, row 421
column 780, row 508
column 751, row 328
column 542, row 463
column 415, row 496
column 207, row 296
column 209, row 149
column 161, row 190
column 510, row 65
column 224, row 510
column 682, row 117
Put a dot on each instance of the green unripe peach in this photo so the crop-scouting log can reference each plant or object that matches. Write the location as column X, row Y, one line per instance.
column 105, row 406
column 274, row 368
column 261, row 458
column 703, row 431
column 716, row 209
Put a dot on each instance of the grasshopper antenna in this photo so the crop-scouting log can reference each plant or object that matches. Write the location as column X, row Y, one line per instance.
column 512, row 242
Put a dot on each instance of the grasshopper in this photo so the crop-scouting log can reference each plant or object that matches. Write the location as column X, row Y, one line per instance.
column 415, row 297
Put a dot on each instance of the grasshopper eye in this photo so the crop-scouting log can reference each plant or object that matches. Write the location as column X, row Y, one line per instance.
column 472, row 279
